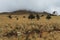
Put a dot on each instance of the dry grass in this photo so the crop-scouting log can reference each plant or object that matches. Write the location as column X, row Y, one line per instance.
column 28, row 29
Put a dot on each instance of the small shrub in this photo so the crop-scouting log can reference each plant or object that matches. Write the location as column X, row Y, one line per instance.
column 17, row 18
column 10, row 34
column 10, row 17
column 36, row 30
column 24, row 17
column 42, row 15
column 38, row 17
column 48, row 17
column 31, row 16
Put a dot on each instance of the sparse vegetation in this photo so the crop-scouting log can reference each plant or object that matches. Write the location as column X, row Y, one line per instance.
column 31, row 16
column 29, row 29
column 48, row 17
column 17, row 18
column 10, row 17
column 42, row 15
column 38, row 17
column 10, row 34
column 24, row 17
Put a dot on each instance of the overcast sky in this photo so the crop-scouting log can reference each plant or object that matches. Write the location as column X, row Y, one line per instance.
column 34, row 5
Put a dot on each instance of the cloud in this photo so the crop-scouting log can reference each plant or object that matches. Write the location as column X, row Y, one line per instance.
column 33, row 5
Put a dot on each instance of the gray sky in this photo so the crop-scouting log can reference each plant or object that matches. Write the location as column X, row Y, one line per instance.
column 34, row 5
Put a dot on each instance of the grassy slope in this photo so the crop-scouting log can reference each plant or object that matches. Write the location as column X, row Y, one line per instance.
column 4, row 20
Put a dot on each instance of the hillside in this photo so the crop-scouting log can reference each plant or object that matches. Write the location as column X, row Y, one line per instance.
column 18, row 25
column 25, row 12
